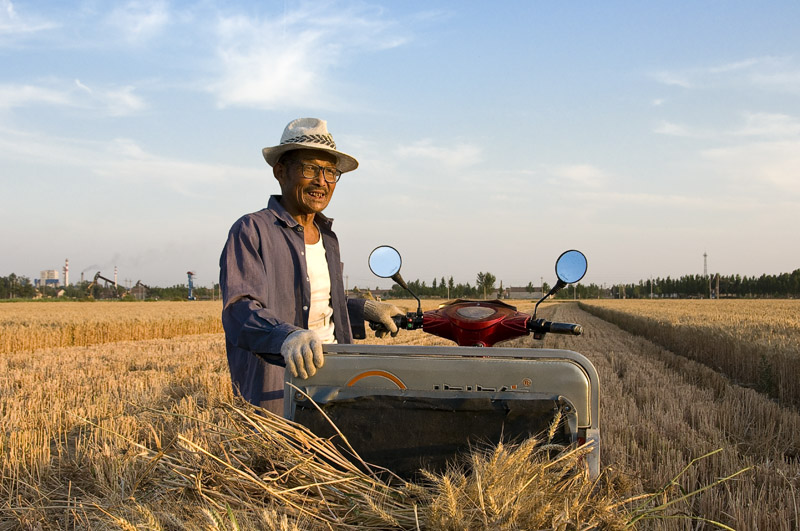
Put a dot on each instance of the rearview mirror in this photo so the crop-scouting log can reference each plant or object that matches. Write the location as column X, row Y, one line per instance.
column 385, row 261
column 571, row 266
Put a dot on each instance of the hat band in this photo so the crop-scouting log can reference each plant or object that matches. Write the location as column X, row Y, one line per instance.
column 311, row 139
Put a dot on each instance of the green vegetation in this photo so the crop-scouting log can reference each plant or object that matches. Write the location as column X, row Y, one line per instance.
column 13, row 287
column 484, row 287
column 783, row 285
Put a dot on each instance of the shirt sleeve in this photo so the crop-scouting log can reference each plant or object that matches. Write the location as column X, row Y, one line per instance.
column 355, row 310
column 249, row 324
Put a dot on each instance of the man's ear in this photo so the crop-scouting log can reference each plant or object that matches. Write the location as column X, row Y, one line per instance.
column 279, row 171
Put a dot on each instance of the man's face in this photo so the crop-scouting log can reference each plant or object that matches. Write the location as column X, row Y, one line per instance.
column 302, row 195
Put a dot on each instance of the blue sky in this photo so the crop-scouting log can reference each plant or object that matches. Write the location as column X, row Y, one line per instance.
column 491, row 136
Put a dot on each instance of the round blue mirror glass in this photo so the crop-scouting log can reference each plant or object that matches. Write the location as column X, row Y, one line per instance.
column 385, row 261
column 571, row 266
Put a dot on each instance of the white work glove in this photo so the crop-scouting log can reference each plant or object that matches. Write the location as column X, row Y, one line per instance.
column 382, row 312
column 302, row 351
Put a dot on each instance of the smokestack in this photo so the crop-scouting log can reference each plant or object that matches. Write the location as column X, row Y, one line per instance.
column 81, row 277
column 66, row 272
column 115, row 277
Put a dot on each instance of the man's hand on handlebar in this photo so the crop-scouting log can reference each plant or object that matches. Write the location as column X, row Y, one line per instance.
column 302, row 351
column 381, row 313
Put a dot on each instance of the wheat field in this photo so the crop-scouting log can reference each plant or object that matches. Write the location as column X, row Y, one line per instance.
column 145, row 434
column 753, row 342
column 26, row 326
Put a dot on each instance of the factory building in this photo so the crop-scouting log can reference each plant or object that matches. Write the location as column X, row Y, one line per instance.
column 47, row 277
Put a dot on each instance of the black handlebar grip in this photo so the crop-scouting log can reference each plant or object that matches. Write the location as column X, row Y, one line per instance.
column 539, row 327
column 401, row 321
column 564, row 328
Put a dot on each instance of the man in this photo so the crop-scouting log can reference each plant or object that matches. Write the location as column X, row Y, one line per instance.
column 281, row 276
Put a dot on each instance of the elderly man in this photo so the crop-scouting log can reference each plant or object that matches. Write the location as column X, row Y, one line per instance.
column 281, row 276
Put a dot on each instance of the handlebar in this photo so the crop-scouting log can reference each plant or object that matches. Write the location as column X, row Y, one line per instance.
column 539, row 327
column 410, row 321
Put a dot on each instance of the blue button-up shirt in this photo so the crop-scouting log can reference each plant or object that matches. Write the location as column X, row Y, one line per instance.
column 266, row 295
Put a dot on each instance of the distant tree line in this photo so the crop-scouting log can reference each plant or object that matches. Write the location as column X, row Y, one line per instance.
column 181, row 292
column 694, row 286
column 484, row 283
column 13, row 286
column 687, row 286
column 20, row 287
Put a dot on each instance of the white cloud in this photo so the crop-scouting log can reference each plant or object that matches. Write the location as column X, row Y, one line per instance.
column 121, row 160
column 583, row 175
column 125, row 160
column 770, row 125
column 139, row 21
column 288, row 61
column 788, row 80
column 759, row 156
column 113, row 101
column 452, row 157
column 736, row 65
column 82, row 86
column 680, row 130
column 756, row 124
column 763, row 72
column 649, row 199
column 12, row 23
column 672, row 78
column 122, row 101
column 12, row 96
column 775, row 164
column 117, row 101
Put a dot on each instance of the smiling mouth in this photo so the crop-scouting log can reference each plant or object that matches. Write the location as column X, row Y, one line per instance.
column 316, row 194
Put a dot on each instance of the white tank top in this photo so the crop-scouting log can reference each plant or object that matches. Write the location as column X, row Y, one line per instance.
column 320, row 315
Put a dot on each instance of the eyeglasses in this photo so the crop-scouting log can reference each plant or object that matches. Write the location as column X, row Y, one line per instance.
column 311, row 171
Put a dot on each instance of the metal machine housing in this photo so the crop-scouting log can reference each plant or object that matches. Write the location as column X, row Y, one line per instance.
column 406, row 407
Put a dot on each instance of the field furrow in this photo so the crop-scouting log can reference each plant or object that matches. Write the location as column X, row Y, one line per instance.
column 660, row 410
column 754, row 342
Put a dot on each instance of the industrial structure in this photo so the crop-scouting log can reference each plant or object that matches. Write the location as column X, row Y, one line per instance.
column 107, row 291
column 190, row 274
column 139, row 291
column 521, row 292
column 47, row 278
column 100, row 286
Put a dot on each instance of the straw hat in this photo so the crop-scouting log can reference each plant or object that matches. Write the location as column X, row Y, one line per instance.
column 308, row 133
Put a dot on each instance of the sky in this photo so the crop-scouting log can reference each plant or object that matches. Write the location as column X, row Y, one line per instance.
column 491, row 136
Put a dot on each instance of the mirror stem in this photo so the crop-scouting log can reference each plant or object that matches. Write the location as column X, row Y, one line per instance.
column 560, row 284
column 402, row 283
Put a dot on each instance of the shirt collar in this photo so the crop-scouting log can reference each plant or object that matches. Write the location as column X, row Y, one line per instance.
column 277, row 209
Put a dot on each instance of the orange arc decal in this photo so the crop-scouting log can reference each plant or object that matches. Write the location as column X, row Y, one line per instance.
column 389, row 376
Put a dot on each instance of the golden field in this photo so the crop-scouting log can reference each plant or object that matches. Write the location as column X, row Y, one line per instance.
column 754, row 342
column 33, row 325
column 144, row 434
